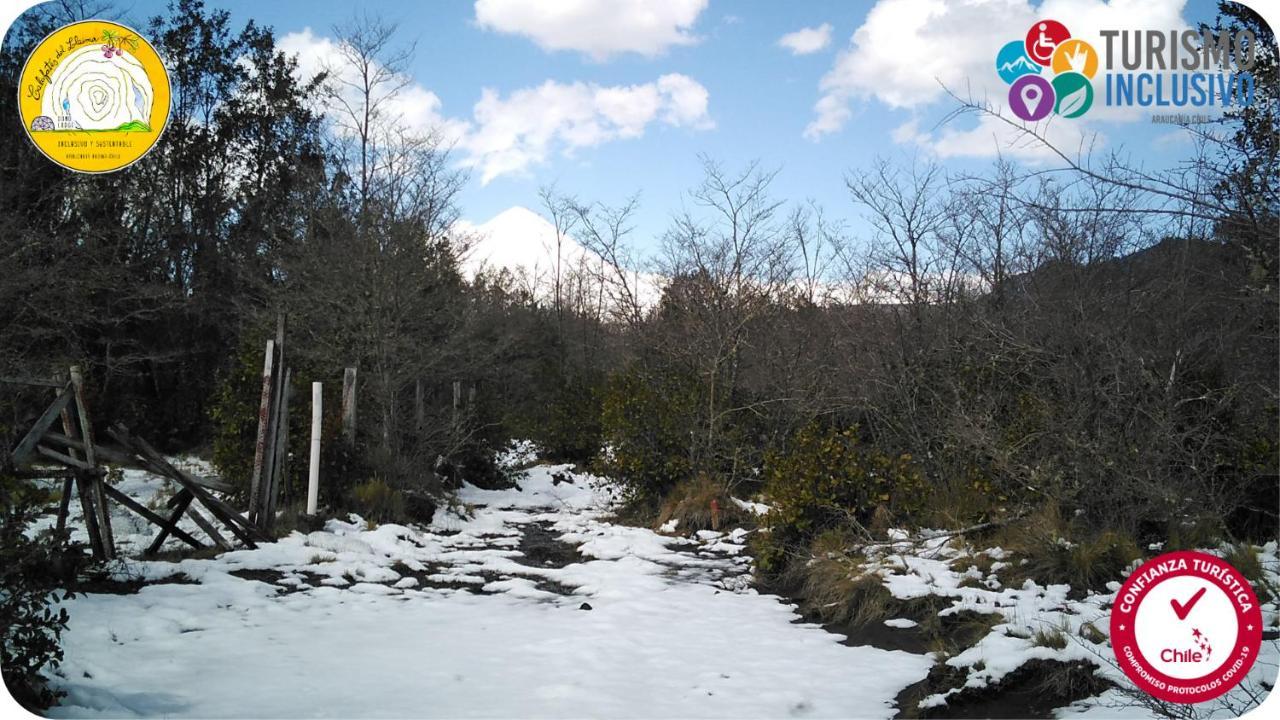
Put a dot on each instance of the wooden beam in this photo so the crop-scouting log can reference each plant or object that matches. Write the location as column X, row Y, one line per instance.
column 96, row 482
column 349, row 406
column 64, row 458
column 64, row 503
column 38, row 473
column 171, row 524
column 28, row 443
column 147, row 513
column 204, row 524
column 229, row 517
column 90, row 517
column 264, row 426
column 123, row 457
column 35, row 382
column 280, row 452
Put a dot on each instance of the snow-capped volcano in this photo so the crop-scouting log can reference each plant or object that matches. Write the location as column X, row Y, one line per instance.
column 522, row 241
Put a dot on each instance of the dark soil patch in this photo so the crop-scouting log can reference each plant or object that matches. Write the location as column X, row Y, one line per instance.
column 541, row 547
column 273, row 577
column 1034, row 690
column 111, row 586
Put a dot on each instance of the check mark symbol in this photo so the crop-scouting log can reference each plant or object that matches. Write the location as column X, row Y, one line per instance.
column 1184, row 609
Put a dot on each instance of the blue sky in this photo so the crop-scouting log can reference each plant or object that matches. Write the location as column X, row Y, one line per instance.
column 872, row 90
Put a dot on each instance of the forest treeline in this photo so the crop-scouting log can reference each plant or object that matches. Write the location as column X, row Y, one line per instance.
column 1093, row 350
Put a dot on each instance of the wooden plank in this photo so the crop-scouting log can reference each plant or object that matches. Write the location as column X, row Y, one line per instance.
column 90, row 517
column 203, row 523
column 63, row 458
column 349, row 406
column 419, row 407
column 264, row 426
column 171, row 524
column 153, row 517
column 43, row 473
column 36, row 382
column 28, row 443
column 96, row 482
column 233, row 521
column 281, row 451
column 266, row 517
column 238, row 525
column 122, row 457
column 64, row 503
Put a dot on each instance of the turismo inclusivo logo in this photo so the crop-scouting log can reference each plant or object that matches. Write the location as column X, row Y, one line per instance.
column 1023, row 64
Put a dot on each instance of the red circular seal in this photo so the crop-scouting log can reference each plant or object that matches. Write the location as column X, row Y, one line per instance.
column 1186, row 627
column 1043, row 38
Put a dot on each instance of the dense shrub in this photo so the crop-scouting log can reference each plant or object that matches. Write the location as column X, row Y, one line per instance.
column 378, row 501
column 647, row 418
column 36, row 571
column 826, row 478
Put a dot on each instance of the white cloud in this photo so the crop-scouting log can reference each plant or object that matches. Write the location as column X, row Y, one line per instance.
column 515, row 132
column 597, row 28
column 806, row 41
column 417, row 107
column 992, row 136
column 508, row 135
column 908, row 50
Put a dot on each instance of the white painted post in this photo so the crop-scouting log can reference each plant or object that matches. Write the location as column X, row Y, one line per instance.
column 313, row 482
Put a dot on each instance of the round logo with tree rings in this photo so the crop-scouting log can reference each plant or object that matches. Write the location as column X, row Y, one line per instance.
column 1186, row 627
column 94, row 96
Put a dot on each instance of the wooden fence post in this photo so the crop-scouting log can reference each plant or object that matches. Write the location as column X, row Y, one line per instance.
column 349, row 406
column 264, row 422
column 313, row 474
column 419, row 408
column 95, row 481
column 280, row 447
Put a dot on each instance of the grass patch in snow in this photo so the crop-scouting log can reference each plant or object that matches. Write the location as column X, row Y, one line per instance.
column 1049, row 551
column 690, row 503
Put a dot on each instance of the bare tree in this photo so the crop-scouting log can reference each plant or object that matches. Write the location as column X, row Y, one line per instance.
column 363, row 82
column 605, row 231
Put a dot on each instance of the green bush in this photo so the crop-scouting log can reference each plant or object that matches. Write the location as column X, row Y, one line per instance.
column 647, row 419
column 378, row 501
column 826, row 478
column 36, row 571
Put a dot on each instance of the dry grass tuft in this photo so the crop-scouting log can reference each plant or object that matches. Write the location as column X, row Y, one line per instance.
column 1049, row 552
column 691, row 504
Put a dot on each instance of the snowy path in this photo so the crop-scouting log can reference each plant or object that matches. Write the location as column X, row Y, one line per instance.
column 472, row 617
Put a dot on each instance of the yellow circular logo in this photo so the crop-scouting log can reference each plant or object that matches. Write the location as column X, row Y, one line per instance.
column 94, row 96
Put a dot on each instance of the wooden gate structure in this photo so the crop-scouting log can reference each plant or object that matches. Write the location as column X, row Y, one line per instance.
column 74, row 456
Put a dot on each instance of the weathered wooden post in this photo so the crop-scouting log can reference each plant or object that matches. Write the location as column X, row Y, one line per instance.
column 419, row 408
column 313, row 475
column 264, row 423
column 95, row 481
column 280, row 445
column 349, row 406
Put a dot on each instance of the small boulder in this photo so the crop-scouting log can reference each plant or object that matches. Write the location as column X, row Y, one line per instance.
column 419, row 507
column 584, row 606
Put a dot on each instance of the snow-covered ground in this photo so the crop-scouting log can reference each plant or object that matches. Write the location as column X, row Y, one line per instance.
column 529, row 602
column 1024, row 616
column 525, row 603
